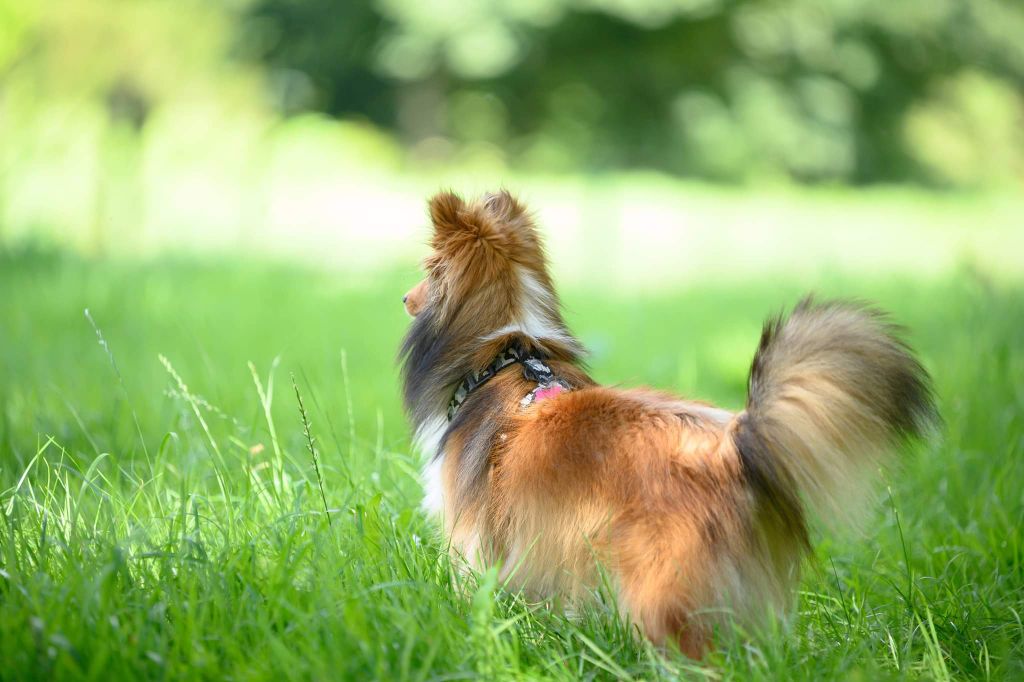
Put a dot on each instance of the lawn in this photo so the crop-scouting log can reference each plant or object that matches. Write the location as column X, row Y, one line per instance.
column 163, row 516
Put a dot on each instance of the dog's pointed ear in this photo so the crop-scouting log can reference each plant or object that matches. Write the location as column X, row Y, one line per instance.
column 503, row 206
column 445, row 213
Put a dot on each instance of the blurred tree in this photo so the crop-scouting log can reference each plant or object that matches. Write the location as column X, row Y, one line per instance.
column 732, row 90
column 816, row 90
column 82, row 85
column 324, row 52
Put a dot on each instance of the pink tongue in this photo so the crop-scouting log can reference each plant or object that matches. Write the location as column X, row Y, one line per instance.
column 549, row 392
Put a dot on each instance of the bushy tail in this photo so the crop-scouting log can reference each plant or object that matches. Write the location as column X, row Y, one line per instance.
column 832, row 391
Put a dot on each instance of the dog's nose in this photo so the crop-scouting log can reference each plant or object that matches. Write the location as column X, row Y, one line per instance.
column 405, row 298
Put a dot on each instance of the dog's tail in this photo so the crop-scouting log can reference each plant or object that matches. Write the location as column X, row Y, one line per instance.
column 833, row 390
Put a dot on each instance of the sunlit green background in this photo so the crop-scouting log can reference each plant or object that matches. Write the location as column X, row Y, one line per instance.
column 714, row 130
column 235, row 191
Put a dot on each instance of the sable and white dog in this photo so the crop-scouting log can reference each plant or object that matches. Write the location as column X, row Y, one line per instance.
column 694, row 511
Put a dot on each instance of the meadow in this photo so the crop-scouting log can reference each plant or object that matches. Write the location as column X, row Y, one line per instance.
column 208, row 476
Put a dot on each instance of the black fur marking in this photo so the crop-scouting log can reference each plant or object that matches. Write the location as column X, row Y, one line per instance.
column 484, row 417
column 772, row 484
column 768, row 332
column 430, row 367
column 911, row 410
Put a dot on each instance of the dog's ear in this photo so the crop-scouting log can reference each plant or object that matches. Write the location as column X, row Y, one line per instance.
column 446, row 209
column 504, row 207
column 497, row 217
column 459, row 225
column 489, row 235
column 517, row 237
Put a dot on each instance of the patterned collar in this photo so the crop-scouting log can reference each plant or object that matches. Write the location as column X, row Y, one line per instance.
column 534, row 369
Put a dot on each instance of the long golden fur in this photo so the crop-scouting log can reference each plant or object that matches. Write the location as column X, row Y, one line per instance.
column 693, row 511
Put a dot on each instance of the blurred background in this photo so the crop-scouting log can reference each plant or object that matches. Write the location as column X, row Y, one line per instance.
column 234, row 193
column 666, row 139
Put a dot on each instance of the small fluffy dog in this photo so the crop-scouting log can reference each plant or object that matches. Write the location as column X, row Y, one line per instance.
column 692, row 510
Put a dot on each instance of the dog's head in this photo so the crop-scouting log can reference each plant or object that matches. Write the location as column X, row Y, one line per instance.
column 487, row 270
column 486, row 285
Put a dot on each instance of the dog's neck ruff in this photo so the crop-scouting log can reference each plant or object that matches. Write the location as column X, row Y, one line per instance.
column 534, row 369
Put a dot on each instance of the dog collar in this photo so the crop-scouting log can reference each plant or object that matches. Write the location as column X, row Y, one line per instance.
column 534, row 369
column 548, row 386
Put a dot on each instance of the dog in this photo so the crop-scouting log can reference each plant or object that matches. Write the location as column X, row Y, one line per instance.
column 695, row 513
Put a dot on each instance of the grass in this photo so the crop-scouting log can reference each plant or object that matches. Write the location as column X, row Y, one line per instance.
column 163, row 496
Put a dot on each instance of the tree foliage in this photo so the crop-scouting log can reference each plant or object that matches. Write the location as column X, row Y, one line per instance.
column 817, row 90
column 812, row 90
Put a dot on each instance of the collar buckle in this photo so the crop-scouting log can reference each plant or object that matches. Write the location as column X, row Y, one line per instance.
column 534, row 369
